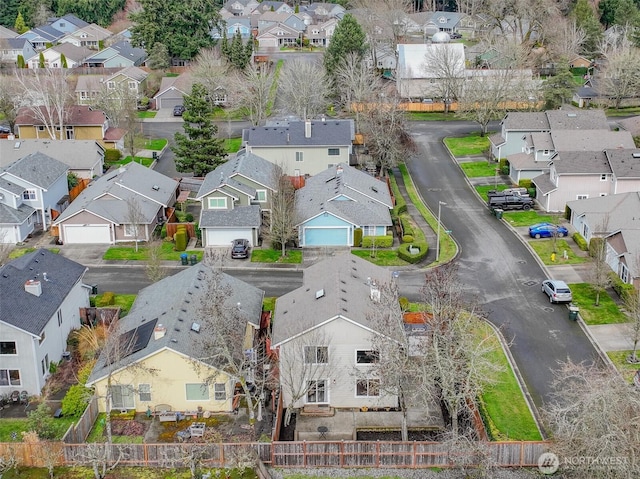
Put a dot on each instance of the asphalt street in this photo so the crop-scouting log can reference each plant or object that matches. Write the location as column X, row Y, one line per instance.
column 495, row 267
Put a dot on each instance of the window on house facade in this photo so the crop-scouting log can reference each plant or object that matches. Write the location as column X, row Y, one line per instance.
column 316, row 354
column 197, row 392
column 10, row 377
column 42, row 337
column 299, row 156
column 111, row 85
column 8, row 347
column 131, row 230
column 133, row 85
column 603, row 177
column 334, row 151
column 69, row 132
column 368, row 387
column 144, row 392
column 261, row 196
column 623, row 272
column 317, row 391
column 364, row 356
column 217, row 203
column 220, row 392
column 40, row 127
column 59, row 317
column 369, row 231
column 582, row 197
column 602, row 195
column 122, row 397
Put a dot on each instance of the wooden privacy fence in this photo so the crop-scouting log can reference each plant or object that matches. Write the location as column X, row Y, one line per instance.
column 348, row 454
column 79, row 431
column 173, row 227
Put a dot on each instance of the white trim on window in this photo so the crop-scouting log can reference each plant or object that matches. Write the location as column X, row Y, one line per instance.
column 261, row 196
column 220, row 391
column 196, row 392
column 7, row 346
column 10, row 377
column 217, row 203
column 317, row 391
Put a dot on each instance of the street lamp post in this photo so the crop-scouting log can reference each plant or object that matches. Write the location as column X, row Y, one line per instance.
column 440, row 204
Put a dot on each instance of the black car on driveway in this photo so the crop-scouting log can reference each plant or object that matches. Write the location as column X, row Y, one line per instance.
column 510, row 202
column 178, row 110
column 240, row 248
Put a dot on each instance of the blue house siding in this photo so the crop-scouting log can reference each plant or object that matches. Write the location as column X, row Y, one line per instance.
column 326, row 230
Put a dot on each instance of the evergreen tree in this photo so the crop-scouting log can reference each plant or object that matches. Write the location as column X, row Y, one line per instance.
column 559, row 89
column 626, row 14
column 607, row 9
column 41, row 60
column 348, row 37
column 8, row 13
column 198, row 150
column 248, row 52
column 159, row 57
column 238, row 54
column 63, row 60
column 585, row 17
column 20, row 61
column 20, row 26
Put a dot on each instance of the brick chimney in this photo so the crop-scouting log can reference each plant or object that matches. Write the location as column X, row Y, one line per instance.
column 307, row 129
column 159, row 331
column 34, row 287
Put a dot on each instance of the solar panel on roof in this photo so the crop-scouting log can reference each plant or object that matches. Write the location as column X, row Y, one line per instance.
column 136, row 339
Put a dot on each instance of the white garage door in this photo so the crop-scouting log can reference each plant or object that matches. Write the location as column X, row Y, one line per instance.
column 89, row 234
column 225, row 237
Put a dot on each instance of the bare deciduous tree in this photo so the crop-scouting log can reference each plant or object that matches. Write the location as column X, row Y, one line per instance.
column 357, row 84
column 632, row 305
column 47, row 95
column 594, row 416
column 384, row 21
column 101, row 458
column 600, row 269
column 135, row 219
column 154, row 268
column 620, row 77
column 446, row 66
column 304, row 88
column 210, row 69
column 10, row 99
column 8, row 461
column 564, row 37
column 282, row 220
column 254, row 92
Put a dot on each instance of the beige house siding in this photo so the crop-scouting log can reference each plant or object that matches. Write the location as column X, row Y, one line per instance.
column 570, row 186
column 315, row 159
column 626, row 186
column 168, row 373
column 344, row 339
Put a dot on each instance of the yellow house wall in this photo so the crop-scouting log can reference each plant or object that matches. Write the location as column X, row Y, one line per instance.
column 79, row 132
column 168, row 384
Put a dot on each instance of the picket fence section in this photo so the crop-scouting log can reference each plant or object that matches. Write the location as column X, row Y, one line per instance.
column 371, row 454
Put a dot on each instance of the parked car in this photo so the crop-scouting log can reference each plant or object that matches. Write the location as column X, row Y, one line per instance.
column 509, row 191
column 557, row 290
column 547, row 230
column 455, row 35
column 5, row 131
column 178, row 110
column 510, row 202
column 240, row 248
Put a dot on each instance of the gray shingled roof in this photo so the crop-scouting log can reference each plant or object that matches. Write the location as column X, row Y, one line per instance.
column 541, row 140
column 581, row 163
column 15, row 216
column 618, row 211
column 517, row 120
column 371, row 197
column 131, row 180
column 496, row 139
column 527, row 161
column 577, row 120
column 38, row 169
column 245, row 165
column 345, row 282
column 25, row 310
column 175, row 303
column 591, row 140
column 623, row 163
column 323, row 133
column 543, row 184
column 239, row 217
column 76, row 154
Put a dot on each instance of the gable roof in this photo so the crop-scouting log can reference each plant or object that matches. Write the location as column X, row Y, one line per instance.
column 368, row 204
column 292, row 134
column 150, row 188
column 590, row 140
column 24, row 310
column 15, row 216
column 75, row 154
column 71, row 18
column 93, row 30
column 14, row 43
column 338, row 286
column 529, row 120
column 76, row 115
column 624, row 163
column 132, row 72
column 38, row 169
column 618, row 212
column 181, row 83
column 175, row 303
column 72, row 51
column 577, row 120
column 276, row 29
column 123, row 49
column 45, row 32
column 6, row 33
column 240, row 217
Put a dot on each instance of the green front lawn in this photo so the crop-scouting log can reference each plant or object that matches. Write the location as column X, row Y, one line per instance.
column 474, row 144
column 129, row 253
column 381, row 257
column 269, row 255
column 526, row 218
column 10, row 426
column 478, row 169
column 430, row 116
column 545, row 247
column 147, row 114
column 157, row 144
column 139, row 159
column 124, row 301
column 627, row 370
column 584, row 296
column 634, row 110
column 16, row 253
column 504, row 404
column 232, row 145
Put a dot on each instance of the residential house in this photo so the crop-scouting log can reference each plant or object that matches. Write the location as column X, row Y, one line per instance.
column 235, row 198
column 587, row 94
column 631, row 124
column 443, row 22
column 172, row 91
column 167, row 361
column 68, row 23
column 277, row 36
column 53, row 56
column 6, row 33
column 271, row 6
column 81, row 123
column 133, row 79
column 302, row 147
column 269, row 19
column 84, row 158
column 42, row 37
column 323, row 11
column 383, row 57
column 12, row 48
column 121, row 206
column 515, row 125
column 316, row 36
column 614, row 218
column 41, row 294
column 121, row 54
column 575, row 175
column 329, row 27
column 419, row 76
column 332, row 349
column 579, row 62
column 541, row 148
column 232, row 26
column 239, row 8
column 334, row 203
column 474, row 26
column 88, row 88
column 92, row 36
column 38, row 181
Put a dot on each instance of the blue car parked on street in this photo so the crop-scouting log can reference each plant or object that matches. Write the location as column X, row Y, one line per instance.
column 547, row 230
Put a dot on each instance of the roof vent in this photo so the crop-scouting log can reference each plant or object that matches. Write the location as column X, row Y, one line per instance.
column 155, row 187
column 159, row 331
column 33, row 287
column 319, row 293
column 572, row 115
column 635, row 155
column 195, row 327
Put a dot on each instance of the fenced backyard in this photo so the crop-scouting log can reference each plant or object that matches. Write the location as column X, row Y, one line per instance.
column 348, row 454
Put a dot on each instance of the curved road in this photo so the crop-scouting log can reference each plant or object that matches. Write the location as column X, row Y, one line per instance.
column 496, row 267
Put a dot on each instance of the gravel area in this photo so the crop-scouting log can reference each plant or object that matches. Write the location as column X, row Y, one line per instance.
column 332, row 473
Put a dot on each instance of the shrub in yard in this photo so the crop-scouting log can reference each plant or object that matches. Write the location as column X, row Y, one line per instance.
column 407, row 228
column 189, row 217
column 580, row 241
column 181, row 240
column 619, row 286
column 357, row 237
column 378, row 241
column 107, row 299
column 112, row 155
column 163, row 231
column 595, row 245
column 407, row 239
column 525, row 184
column 404, row 303
column 403, row 252
column 75, row 401
column 41, row 421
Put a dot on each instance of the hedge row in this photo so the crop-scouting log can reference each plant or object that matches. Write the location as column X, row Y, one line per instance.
column 403, row 252
column 407, row 227
column 401, row 205
column 377, row 241
column 580, row 241
column 107, row 299
column 623, row 289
